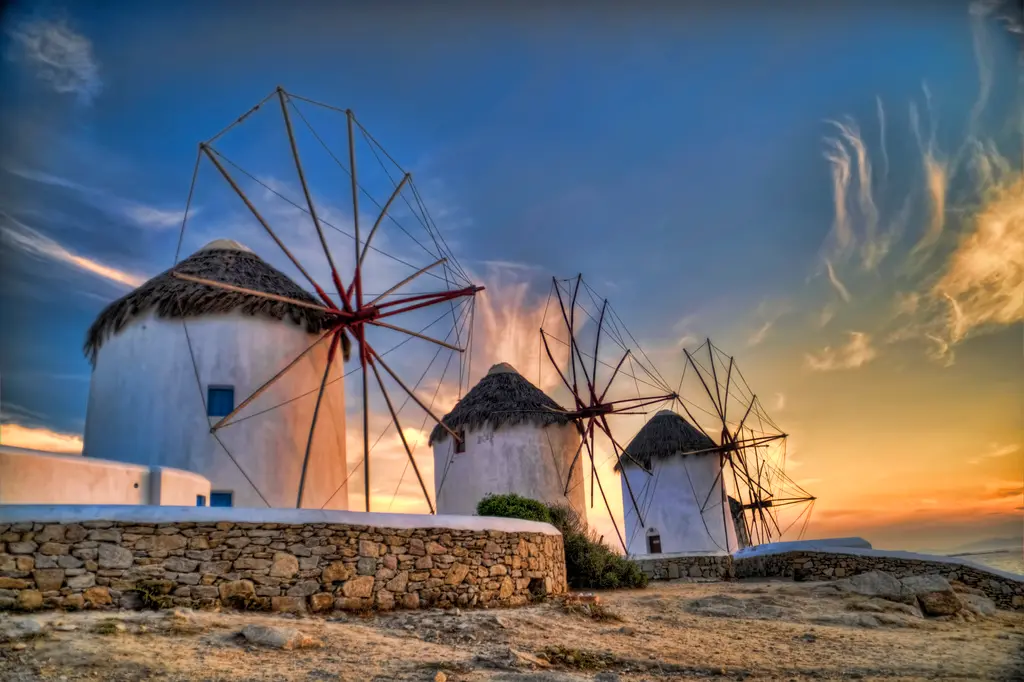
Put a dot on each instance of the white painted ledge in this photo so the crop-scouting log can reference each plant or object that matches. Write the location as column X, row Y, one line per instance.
column 819, row 545
column 40, row 513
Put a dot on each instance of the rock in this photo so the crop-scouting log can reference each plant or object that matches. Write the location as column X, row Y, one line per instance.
column 398, row 583
column 366, row 566
column 360, row 587
column 30, row 600
column 335, row 572
column 279, row 638
column 162, row 543
column 22, row 547
column 411, row 601
column 22, row 628
column 385, row 600
column 48, row 580
column 435, row 548
column 50, row 534
column 440, row 676
column 81, row 582
column 61, row 626
column 368, row 548
column 105, row 535
column 74, row 602
column 250, row 564
column 321, row 601
column 457, row 573
column 979, row 605
column 284, row 565
column 628, row 631
column 69, row 561
column 179, row 565
column 940, row 603
column 522, row 658
column 112, row 556
column 205, row 592
column 14, row 583
column 288, row 604
column 933, row 593
column 873, row 584
column 97, row 596
column 237, row 589
column 304, row 589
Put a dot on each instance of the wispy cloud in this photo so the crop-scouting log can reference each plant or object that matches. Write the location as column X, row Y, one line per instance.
column 881, row 135
column 780, row 402
column 984, row 279
column 995, row 451
column 857, row 351
column 840, row 288
column 137, row 213
column 36, row 244
column 57, row 55
column 758, row 336
column 936, row 176
column 39, row 438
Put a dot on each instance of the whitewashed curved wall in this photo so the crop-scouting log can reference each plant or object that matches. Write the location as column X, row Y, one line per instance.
column 679, row 491
column 146, row 408
column 522, row 459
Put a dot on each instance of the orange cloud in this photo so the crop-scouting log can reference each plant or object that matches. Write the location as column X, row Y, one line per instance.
column 38, row 438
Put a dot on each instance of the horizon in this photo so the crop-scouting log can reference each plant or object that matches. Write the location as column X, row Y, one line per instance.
column 841, row 210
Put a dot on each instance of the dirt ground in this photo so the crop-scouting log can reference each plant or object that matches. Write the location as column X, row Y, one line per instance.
column 756, row 630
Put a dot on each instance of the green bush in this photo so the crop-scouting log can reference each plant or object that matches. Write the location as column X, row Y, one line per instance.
column 513, row 506
column 589, row 564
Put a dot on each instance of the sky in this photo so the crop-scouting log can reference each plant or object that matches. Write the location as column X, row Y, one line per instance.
column 834, row 196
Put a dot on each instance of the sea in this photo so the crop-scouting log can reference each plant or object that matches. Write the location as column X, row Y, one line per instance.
column 1004, row 560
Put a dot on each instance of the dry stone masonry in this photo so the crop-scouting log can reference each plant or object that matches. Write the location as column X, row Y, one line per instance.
column 672, row 567
column 272, row 566
column 1007, row 593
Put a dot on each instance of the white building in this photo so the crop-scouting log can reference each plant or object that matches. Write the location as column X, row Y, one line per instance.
column 172, row 358
column 683, row 500
column 515, row 439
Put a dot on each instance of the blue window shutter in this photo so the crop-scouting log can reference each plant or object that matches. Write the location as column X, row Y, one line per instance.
column 221, row 499
column 220, row 400
column 200, row 500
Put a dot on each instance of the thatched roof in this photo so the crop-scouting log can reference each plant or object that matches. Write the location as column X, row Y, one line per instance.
column 222, row 260
column 502, row 398
column 665, row 435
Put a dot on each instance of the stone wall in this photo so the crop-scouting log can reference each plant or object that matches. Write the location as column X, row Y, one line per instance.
column 671, row 567
column 1006, row 592
column 272, row 566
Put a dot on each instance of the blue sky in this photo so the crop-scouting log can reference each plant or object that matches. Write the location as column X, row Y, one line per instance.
column 674, row 156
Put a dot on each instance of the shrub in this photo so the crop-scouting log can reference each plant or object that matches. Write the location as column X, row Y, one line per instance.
column 589, row 564
column 513, row 506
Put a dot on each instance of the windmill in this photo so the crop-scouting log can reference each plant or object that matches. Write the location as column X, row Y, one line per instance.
column 593, row 397
column 716, row 398
column 348, row 311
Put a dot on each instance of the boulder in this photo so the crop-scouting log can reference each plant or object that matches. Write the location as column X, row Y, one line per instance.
column 933, row 593
column 979, row 605
column 22, row 628
column 873, row 584
column 279, row 638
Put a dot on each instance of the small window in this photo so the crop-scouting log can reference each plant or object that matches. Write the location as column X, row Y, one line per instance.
column 220, row 400
column 460, row 443
column 200, row 500
column 653, row 541
column 222, row 499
